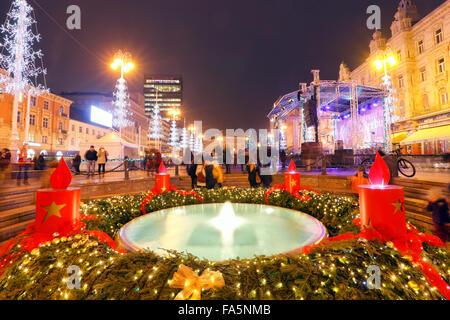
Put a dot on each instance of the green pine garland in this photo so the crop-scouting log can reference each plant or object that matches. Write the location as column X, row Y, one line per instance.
column 338, row 271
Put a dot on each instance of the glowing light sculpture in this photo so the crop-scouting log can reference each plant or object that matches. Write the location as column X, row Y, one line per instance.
column 18, row 59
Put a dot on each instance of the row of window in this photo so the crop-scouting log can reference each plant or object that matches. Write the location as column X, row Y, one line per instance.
column 80, row 130
column 33, row 102
column 44, row 139
column 438, row 38
column 423, row 73
column 45, row 121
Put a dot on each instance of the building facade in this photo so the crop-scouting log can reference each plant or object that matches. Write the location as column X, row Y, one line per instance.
column 420, row 78
column 83, row 132
column 166, row 91
column 48, row 123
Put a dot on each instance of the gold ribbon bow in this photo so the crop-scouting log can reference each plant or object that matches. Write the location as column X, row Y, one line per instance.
column 192, row 284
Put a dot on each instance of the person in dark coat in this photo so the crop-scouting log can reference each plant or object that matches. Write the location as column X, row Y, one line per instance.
column 438, row 206
column 210, row 181
column 91, row 157
column 191, row 171
column 41, row 162
column 283, row 158
column 76, row 162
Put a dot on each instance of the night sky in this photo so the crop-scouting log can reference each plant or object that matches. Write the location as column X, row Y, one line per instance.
column 236, row 56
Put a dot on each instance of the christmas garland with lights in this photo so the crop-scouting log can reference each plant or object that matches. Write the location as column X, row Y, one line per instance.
column 335, row 271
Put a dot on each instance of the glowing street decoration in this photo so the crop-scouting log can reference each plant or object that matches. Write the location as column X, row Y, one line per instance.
column 184, row 138
column 121, row 104
column 18, row 59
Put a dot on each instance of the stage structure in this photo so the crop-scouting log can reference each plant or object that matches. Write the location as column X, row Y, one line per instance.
column 338, row 114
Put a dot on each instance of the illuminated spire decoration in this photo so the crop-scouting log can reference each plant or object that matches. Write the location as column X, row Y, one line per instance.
column 121, row 104
column 18, row 59
column 192, row 142
column 184, row 138
column 173, row 134
column 155, row 123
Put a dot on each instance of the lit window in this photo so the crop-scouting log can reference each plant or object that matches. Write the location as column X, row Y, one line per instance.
column 423, row 74
column 441, row 65
column 420, row 46
column 443, row 96
column 401, row 82
column 31, row 137
column 438, row 36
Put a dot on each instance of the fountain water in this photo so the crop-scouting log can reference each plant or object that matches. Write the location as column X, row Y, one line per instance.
column 223, row 231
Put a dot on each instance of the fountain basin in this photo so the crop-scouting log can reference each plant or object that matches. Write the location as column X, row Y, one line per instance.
column 220, row 232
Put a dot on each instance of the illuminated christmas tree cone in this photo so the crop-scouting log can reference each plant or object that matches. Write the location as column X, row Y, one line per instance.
column 382, row 205
column 292, row 179
column 58, row 208
column 162, row 179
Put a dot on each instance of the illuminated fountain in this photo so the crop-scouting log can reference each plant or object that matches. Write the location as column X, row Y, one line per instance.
column 223, row 231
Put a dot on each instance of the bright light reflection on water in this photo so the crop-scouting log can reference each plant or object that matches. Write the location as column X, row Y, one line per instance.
column 224, row 231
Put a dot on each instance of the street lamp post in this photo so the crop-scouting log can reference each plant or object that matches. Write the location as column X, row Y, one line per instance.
column 382, row 63
column 123, row 61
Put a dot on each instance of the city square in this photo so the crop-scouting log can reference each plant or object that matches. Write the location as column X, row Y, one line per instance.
column 206, row 151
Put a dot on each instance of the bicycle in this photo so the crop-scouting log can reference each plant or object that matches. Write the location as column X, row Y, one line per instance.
column 405, row 167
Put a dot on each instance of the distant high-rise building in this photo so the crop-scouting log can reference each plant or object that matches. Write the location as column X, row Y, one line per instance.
column 166, row 91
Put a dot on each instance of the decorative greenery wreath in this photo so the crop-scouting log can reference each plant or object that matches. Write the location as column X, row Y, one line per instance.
column 337, row 271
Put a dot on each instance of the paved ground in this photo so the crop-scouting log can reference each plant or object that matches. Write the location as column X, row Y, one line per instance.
column 437, row 175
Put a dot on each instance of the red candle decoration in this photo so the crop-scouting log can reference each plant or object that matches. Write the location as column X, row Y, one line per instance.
column 292, row 179
column 58, row 208
column 162, row 180
column 383, row 205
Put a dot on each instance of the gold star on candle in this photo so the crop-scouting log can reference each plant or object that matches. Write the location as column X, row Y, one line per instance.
column 53, row 210
column 293, row 183
column 398, row 206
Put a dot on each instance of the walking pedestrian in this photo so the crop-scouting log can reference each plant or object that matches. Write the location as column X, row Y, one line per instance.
column 24, row 165
column 91, row 157
column 438, row 206
column 76, row 162
column 5, row 160
column 102, row 159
